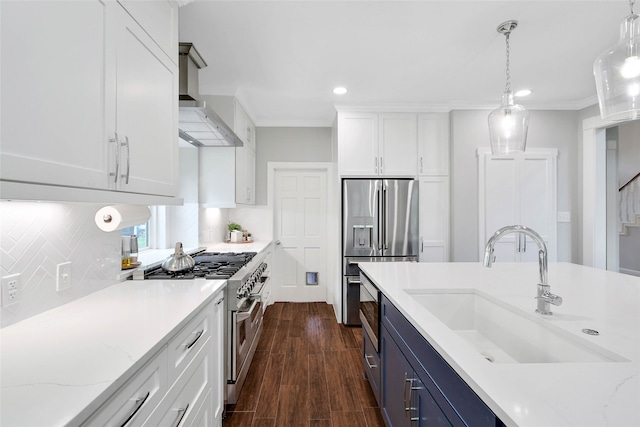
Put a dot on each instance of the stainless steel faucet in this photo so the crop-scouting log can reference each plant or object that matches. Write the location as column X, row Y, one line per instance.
column 544, row 295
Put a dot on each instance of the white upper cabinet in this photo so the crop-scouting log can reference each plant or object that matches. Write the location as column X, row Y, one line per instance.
column 245, row 176
column 235, row 116
column 55, row 121
column 146, row 112
column 216, row 171
column 243, row 179
column 89, row 99
column 371, row 144
column 160, row 20
column 433, row 144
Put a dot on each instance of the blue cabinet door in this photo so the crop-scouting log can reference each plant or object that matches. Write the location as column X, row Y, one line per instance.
column 425, row 412
column 395, row 373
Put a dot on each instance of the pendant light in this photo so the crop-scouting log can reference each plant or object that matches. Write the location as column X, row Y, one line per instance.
column 617, row 73
column 508, row 124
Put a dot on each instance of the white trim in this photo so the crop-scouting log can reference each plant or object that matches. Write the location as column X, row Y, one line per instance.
column 630, row 272
column 594, row 209
column 334, row 292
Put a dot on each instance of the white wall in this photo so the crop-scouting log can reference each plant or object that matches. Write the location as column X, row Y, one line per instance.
column 550, row 129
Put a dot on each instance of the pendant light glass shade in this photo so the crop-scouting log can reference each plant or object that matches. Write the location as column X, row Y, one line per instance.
column 508, row 127
column 617, row 74
column 509, row 123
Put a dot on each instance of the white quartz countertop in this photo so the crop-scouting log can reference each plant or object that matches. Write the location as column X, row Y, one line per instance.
column 59, row 366
column 536, row 394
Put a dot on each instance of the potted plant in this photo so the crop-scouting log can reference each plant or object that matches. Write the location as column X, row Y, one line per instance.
column 235, row 232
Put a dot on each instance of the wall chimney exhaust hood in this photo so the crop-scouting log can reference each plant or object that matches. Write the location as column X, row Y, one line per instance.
column 198, row 124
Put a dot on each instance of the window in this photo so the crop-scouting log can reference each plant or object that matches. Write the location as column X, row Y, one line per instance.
column 143, row 231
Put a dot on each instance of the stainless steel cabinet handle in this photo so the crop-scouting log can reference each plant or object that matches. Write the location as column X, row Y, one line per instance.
column 220, row 301
column 138, row 402
column 278, row 242
column 421, row 165
column 421, row 244
column 404, row 393
column 181, row 413
column 128, row 147
column 195, row 340
column 381, row 166
column 366, row 358
column 375, row 159
column 117, row 154
column 412, row 419
column 407, row 406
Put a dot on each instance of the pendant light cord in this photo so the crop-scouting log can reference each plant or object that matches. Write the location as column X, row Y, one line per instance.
column 508, row 84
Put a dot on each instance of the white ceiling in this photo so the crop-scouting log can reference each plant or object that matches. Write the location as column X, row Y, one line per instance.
column 283, row 58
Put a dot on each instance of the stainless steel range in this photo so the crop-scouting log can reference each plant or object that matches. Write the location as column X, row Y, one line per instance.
column 246, row 297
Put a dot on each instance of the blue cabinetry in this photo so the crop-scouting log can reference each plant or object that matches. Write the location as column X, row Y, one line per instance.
column 419, row 388
column 372, row 366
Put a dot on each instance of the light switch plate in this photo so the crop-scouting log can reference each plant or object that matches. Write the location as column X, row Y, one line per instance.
column 63, row 276
column 564, row 216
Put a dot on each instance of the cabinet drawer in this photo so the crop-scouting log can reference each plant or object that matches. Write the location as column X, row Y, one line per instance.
column 181, row 404
column 187, row 343
column 372, row 365
column 137, row 398
column 204, row 416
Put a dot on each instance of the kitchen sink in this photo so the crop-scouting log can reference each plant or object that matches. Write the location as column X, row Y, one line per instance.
column 504, row 334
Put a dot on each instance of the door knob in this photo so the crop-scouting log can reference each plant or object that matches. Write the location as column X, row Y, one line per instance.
column 278, row 242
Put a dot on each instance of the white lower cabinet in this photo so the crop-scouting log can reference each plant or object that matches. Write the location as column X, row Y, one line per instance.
column 203, row 416
column 182, row 385
column 181, row 403
column 137, row 399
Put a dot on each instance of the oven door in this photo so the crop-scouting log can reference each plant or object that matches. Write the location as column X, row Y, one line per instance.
column 369, row 309
column 246, row 323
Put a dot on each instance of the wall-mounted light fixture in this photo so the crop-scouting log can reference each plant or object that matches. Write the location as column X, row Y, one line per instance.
column 617, row 73
column 509, row 123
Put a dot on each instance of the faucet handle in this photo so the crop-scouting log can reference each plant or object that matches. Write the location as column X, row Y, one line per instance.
column 551, row 298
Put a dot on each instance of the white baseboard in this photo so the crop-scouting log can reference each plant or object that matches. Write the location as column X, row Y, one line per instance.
column 630, row 272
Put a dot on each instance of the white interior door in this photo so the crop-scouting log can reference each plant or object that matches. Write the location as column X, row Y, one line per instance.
column 300, row 233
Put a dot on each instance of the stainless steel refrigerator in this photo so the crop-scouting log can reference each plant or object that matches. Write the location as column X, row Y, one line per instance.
column 379, row 224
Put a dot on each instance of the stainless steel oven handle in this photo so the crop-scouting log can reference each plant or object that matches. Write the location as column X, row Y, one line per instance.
column 244, row 315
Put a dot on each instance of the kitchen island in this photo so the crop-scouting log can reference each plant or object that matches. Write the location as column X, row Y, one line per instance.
column 604, row 391
column 61, row 366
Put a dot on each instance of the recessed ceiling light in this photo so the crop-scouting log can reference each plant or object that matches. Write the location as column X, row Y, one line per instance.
column 340, row 90
column 523, row 92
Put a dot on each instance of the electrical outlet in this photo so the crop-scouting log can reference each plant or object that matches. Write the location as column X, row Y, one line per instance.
column 10, row 289
column 564, row 216
column 63, row 276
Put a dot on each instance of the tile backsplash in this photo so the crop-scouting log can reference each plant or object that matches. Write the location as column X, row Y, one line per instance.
column 36, row 237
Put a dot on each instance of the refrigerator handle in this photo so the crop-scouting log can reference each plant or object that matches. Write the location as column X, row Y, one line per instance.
column 380, row 223
column 384, row 217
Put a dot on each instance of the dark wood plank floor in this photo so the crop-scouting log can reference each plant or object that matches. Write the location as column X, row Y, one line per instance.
column 307, row 371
